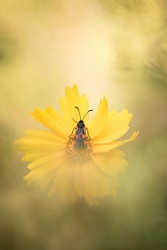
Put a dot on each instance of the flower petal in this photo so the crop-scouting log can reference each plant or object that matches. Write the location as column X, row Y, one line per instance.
column 116, row 127
column 111, row 115
column 78, row 177
column 104, row 147
column 97, row 183
column 44, row 172
column 98, row 122
column 39, row 133
column 37, row 145
column 52, row 120
column 62, row 179
column 58, row 156
column 34, row 156
column 68, row 104
column 66, row 115
column 79, row 184
column 32, row 136
column 111, row 162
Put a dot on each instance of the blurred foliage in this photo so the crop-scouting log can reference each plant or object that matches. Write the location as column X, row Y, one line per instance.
column 7, row 48
column 38, row 44
column 116, row 7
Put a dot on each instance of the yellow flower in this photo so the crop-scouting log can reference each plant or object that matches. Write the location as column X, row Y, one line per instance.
column 71, row 172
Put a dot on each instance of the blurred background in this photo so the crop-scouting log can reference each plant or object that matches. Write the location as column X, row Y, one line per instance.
column 116, row 48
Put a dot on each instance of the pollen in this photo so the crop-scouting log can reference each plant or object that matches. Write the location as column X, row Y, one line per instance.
column 79, row 155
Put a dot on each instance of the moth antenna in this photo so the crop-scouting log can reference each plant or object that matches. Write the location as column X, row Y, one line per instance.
column 87, row 113
column 78, row 112
column 74, row 120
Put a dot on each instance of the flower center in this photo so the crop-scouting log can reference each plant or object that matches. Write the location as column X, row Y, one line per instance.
column 80, row 154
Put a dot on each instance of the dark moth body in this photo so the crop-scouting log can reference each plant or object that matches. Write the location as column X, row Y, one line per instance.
column 80, row 137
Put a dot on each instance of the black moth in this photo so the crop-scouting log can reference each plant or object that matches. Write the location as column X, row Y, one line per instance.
column 80, row 136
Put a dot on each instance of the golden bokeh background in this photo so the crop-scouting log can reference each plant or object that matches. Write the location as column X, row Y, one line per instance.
column 116, row 48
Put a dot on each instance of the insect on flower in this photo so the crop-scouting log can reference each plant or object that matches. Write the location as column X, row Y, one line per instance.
column 81, row 164
column 80, row 138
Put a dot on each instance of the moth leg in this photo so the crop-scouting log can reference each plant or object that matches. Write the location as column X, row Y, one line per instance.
column 72, row 132
column 88, row 138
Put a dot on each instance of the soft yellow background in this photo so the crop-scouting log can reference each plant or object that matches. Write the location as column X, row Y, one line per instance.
column 112, row 48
